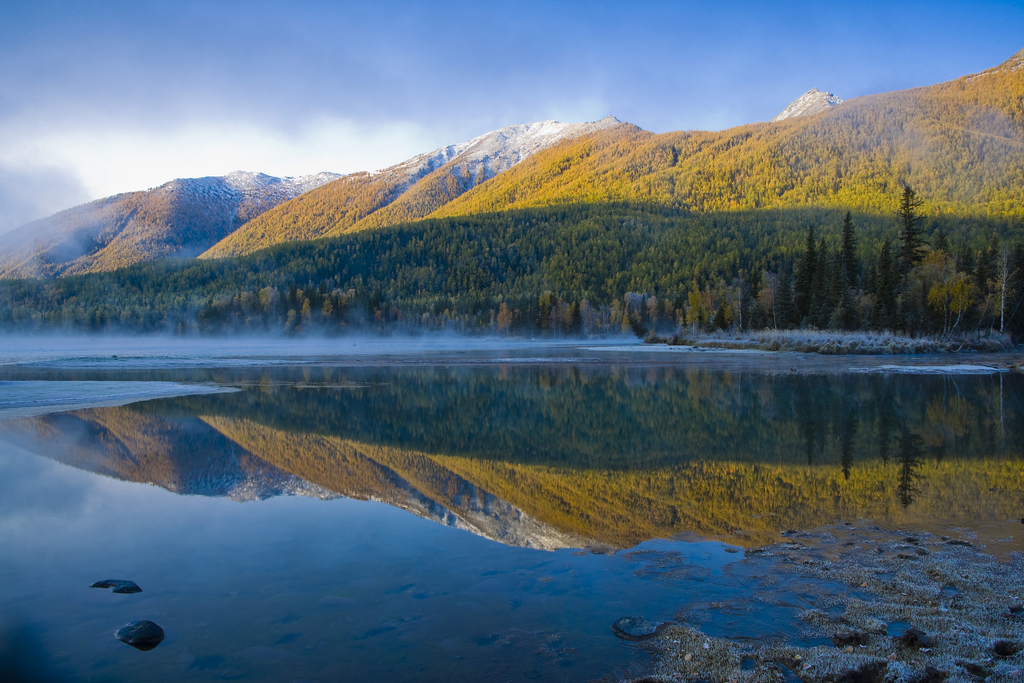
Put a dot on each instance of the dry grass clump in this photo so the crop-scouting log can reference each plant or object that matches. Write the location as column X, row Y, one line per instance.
column 936, row 611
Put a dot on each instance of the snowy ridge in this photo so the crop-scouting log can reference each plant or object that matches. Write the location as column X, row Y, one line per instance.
column 498, row 150
column 245, row 187
column 181, row 218
column 811, row 102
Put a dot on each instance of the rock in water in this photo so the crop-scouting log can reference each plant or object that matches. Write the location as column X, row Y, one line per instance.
column 846, row 638
column 634, row 628
column 119, row 586
column 142, row 635
column 916, row 638
column 1006, row 648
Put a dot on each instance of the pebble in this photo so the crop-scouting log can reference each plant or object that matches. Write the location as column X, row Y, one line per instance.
column 118, row 585
column 142, row 635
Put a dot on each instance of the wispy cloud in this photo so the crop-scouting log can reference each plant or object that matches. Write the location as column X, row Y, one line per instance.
column 28, row 192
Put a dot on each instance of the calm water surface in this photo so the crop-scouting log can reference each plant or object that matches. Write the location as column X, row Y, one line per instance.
column 339, row 521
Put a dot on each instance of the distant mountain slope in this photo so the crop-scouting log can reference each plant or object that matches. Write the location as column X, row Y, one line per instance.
column 959, row 144
column 181, row 218
column 404, row 192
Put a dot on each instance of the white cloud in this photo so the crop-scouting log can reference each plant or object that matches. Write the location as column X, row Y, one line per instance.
column 28, row 192
column 111, row 160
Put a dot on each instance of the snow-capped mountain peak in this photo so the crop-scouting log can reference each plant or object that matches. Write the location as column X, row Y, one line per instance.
column 811, row 102
column 500, row 149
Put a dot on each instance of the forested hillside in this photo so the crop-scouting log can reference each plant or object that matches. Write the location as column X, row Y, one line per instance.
column 404, row 192
column 959, row 144
column 900, row 212
column 560, row 270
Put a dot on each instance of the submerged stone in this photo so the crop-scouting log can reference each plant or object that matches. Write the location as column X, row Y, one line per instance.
column 916, row 638
column 118, row 585
column 1006, row 648
column 843, row 639
column 871, row 672
column 932, row 675
column 142, row 635
column 974, row 669
column 634, row 628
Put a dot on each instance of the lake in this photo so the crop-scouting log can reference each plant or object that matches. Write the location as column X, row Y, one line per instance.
column 460, row 515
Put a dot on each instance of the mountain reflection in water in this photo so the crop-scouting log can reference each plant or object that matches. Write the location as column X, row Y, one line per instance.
column 551, row 457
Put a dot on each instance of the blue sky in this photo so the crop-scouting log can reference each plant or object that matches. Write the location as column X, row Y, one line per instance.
column 105, row 97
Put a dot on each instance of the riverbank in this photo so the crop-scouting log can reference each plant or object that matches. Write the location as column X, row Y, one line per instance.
column 834, row 343
column 921, row 608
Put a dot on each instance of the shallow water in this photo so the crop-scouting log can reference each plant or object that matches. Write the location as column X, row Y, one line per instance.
column 336, row 519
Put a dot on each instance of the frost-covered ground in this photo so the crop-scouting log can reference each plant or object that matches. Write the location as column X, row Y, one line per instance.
column 952, row 369
column 29, row 398
column 916, row 608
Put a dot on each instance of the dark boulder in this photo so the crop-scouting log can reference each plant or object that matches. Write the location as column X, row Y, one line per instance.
column 118, row 585
column 974, row 669
column 142, row 635
column 916, row 638
column 871, row 672
column 1005, row 648
column 931, row 675
column 846, row 638
column 634, row 628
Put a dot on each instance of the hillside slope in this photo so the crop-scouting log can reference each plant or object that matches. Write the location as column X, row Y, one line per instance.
column 181, row 218
column 959, row 144
column 404, row 192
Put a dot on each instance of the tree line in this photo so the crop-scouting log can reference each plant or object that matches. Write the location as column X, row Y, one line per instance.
column 586, row 268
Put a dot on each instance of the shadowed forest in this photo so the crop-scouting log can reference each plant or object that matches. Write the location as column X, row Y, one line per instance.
column 597, row 269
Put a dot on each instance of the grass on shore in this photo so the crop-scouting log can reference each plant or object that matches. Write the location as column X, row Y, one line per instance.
column 833, row 343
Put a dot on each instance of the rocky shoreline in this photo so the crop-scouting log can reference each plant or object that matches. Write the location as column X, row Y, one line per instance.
column 921, row 608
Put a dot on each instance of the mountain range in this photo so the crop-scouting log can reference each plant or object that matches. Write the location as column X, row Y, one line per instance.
column 181, row 219
column 958, row 144
column 221, row 215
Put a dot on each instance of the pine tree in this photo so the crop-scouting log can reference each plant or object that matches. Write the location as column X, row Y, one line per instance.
column 849, row 252
column 911, row 242
column 886, row 295
column 805, row 275
column 821, row 295
column 786, row 312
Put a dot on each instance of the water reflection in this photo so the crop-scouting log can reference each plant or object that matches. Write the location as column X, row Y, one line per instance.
column 567, row 456
column 910, row 463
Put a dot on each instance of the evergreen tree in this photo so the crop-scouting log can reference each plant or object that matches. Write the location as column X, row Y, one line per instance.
column 887, row 282
column 911, row 241
column 849, row 252
column 942, row 242
column 821, row 296
column 1015, row 300
column 786, row 311
column 805, row 275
